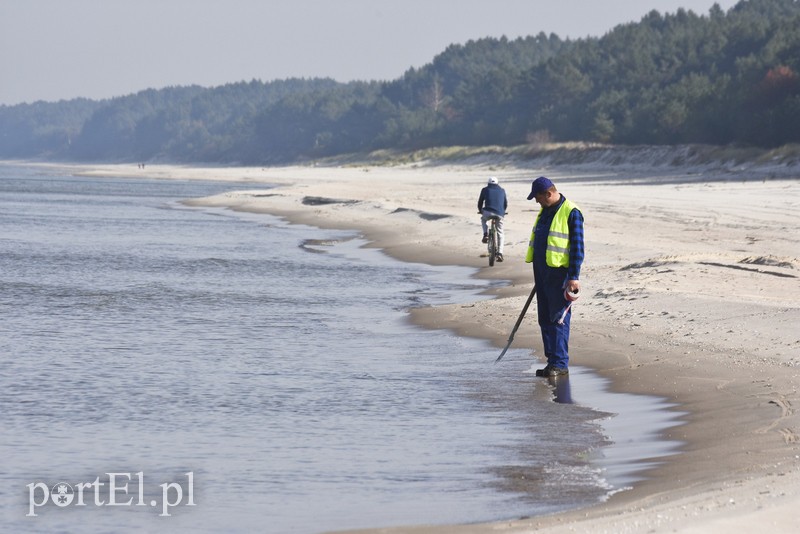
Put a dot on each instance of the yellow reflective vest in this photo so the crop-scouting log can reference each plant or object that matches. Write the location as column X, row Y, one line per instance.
column 557, row 254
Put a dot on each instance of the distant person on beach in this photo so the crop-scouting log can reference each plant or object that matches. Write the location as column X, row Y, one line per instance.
column 492, row 202
column 556, row 251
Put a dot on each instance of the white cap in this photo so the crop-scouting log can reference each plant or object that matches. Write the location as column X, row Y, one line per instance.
column 492, row 180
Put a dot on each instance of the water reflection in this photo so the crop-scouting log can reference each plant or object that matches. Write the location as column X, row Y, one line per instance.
column 562, row 393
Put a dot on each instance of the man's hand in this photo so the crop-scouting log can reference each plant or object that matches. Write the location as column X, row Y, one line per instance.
column 573, row 286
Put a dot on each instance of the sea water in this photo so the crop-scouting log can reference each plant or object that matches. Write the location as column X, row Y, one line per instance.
column 165, row 368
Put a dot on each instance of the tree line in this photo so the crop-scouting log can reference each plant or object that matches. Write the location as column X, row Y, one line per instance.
column 717, row 78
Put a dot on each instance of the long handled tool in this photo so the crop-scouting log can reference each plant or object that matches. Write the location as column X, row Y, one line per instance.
column 516, row 326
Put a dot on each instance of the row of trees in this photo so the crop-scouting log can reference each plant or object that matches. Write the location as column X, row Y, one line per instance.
column 718, row 78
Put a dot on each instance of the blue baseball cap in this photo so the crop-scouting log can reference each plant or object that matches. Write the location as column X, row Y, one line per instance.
column 540, row 185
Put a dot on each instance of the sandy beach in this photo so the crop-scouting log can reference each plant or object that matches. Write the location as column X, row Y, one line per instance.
column 689, row 292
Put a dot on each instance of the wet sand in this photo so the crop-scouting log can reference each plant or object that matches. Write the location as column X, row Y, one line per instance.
column 689, row 292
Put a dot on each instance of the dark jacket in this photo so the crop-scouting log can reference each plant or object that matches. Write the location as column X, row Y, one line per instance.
column 493, row 198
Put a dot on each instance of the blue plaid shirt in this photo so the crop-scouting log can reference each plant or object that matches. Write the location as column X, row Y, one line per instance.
column 575, row 222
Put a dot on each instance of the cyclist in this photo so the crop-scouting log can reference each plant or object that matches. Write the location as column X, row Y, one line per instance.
column 492, row 202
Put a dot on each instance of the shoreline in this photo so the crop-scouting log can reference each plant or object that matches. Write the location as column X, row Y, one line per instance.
column 696, row 301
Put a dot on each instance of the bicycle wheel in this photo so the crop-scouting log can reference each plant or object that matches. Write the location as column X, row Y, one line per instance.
column 492, row 245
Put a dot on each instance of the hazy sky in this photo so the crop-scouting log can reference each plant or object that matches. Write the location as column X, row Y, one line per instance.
column 61, row 49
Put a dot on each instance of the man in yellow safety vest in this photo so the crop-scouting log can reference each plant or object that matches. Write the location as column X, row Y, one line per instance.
column 556, row 251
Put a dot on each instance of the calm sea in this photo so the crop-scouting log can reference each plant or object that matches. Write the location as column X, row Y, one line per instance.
column 164, row 368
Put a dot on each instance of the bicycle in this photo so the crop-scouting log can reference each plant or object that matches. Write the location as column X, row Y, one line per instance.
column 494, row 240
